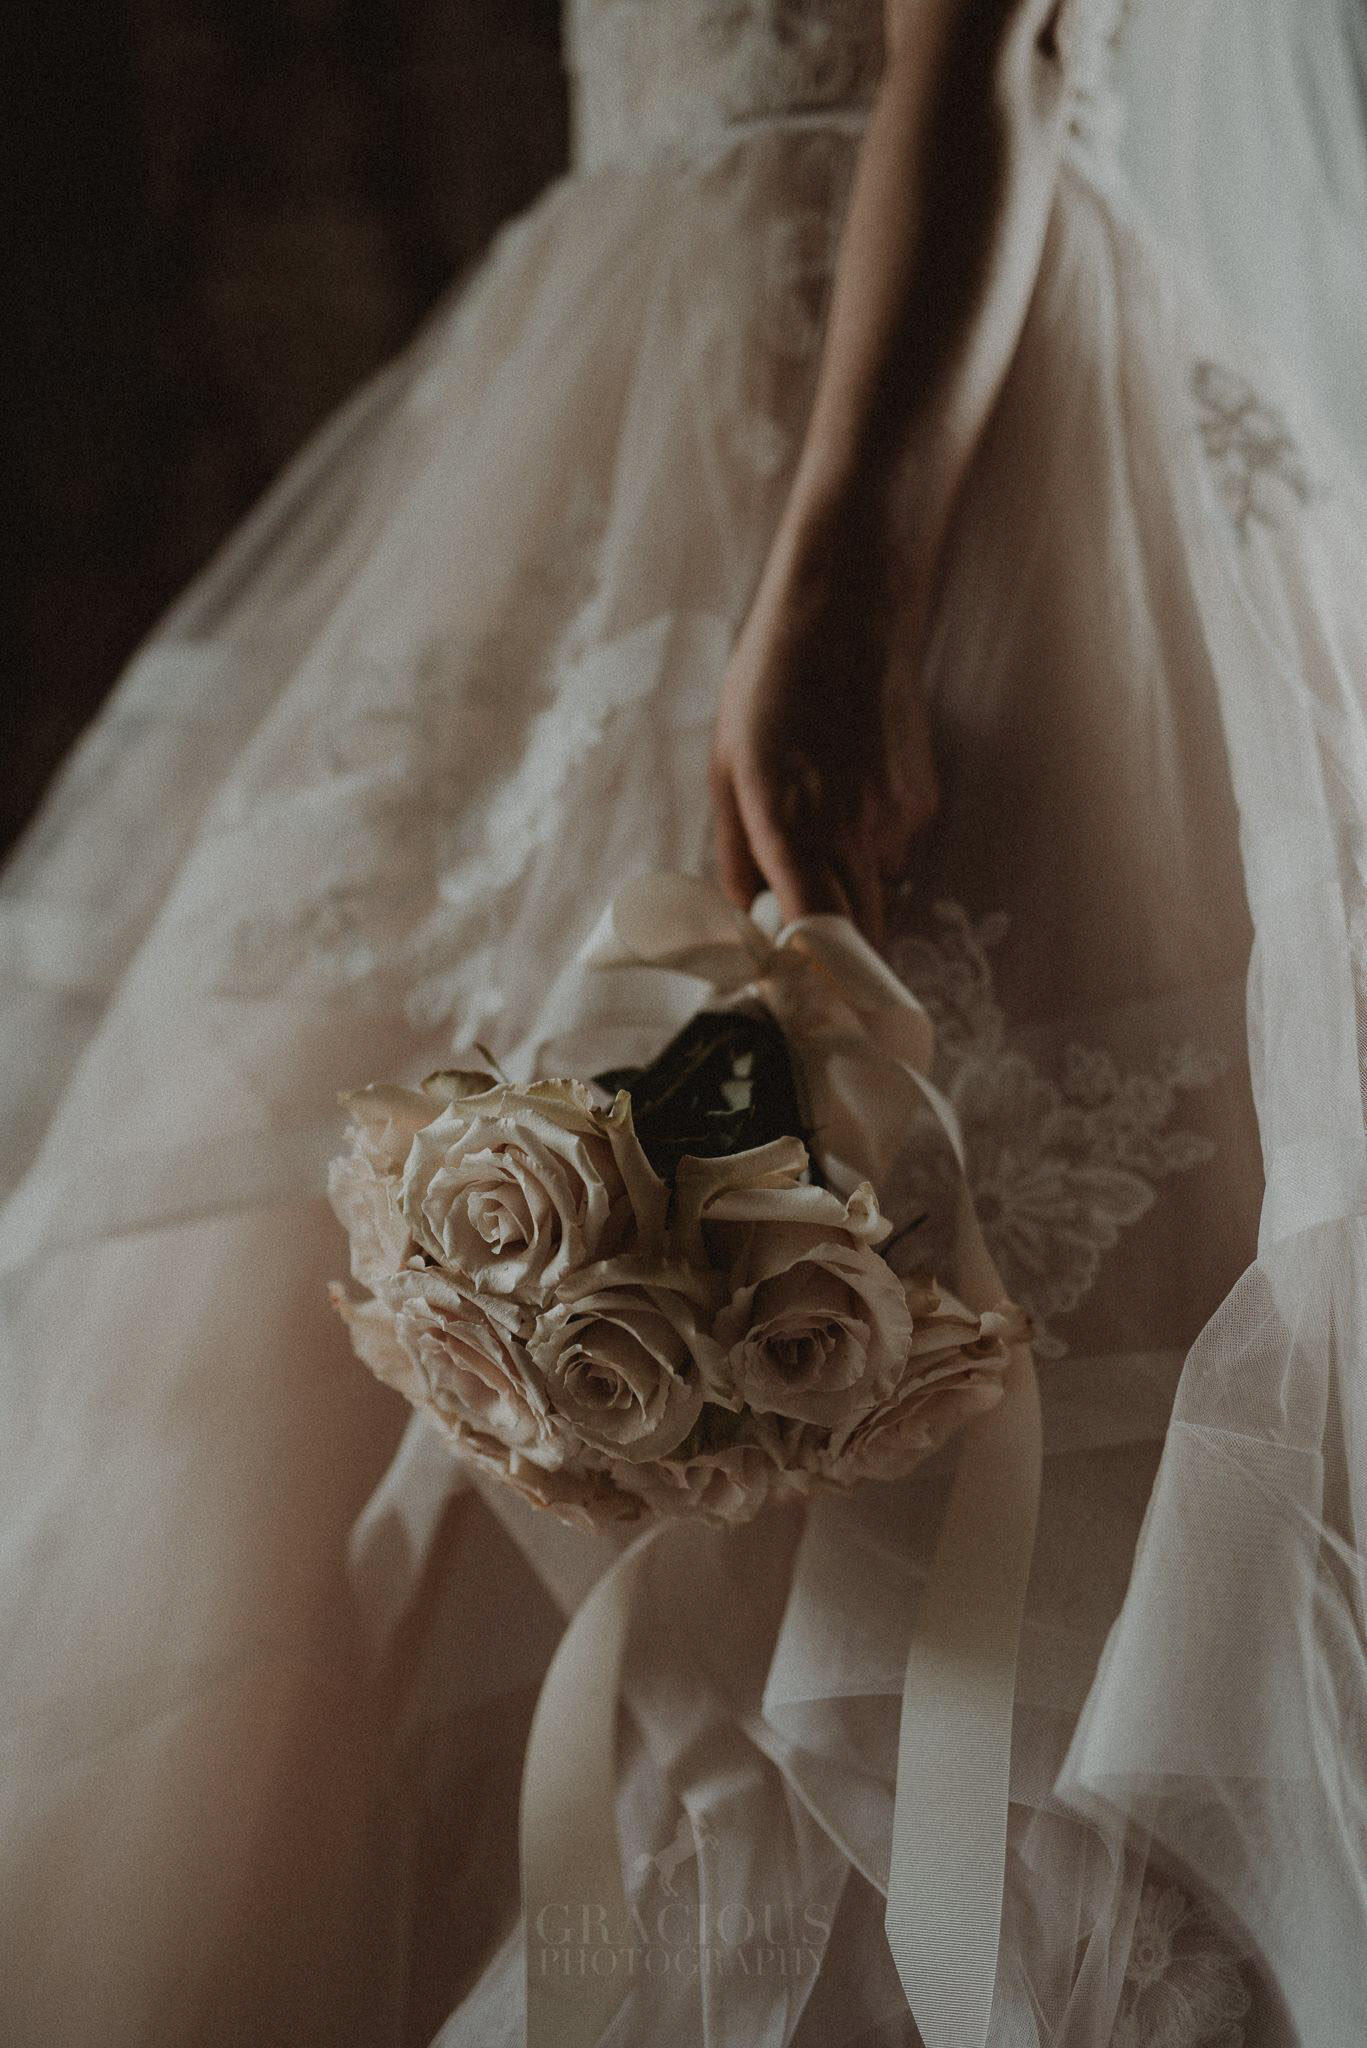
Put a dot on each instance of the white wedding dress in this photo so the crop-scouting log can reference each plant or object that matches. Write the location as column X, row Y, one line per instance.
column 362, row 796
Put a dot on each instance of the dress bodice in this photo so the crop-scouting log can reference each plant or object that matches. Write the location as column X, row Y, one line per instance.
column 655, row 77
column 658, row 78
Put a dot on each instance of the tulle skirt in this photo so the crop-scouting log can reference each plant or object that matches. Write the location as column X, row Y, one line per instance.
column 359, row 800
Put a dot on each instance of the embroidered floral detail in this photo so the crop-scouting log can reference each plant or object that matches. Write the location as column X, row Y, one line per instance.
column 757, row 334
column 529, row 810
column 800, row 250
column 1184, row 1986
column 328, row 938
column 1089, row 35
column 1058, row 1167
column 672, row 80
column 377, row 778
column 407, row 772
column 1249, row 445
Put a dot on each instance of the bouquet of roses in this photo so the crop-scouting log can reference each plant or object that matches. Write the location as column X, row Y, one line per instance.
column 638, row 1293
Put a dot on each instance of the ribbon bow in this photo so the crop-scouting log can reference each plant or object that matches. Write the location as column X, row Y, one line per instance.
column 840, row 1002
column 680, row 922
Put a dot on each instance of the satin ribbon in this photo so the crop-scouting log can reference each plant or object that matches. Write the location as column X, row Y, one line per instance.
column 573, row 1898
column 948, row 1858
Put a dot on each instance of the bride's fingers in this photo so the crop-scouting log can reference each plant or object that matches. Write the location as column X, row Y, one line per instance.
column 857, row 869
column 900, row 824
column 792, row 852
column 741, row 876
column 837, row 864
column 805, row 882
column 910, row 793
column 831, row 865
column 788, row 838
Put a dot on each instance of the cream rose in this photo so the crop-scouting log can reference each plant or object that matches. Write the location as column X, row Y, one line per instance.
column 469, row 1363
column 894, row 1438
column 516, row 1189
column 717, row 1202
column 944, row 1325
column 799, row 1453
column 366, row 1204
column 728, row 1484
column 385, row 1119
column 363, row 1182
column 370, row 1326
column 818, row 1326
column 955, row 1371
column 622, row 1356
column 584, row 1496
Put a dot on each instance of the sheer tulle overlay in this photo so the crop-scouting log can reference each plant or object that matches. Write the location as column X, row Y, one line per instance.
column 267, row 1668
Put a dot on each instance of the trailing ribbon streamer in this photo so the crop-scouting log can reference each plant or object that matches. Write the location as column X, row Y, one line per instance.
column 843, row 1008
column 948, row 1864
column 571, row 1859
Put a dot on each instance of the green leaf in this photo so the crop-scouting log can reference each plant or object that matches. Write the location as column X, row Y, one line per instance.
column 723, row 1084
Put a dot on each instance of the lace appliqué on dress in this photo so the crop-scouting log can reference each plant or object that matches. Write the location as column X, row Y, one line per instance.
column 1184, row 1986
column 757, row 341
column 399, row 772
column 1089, row 34
column 1249, row 445
column 1058, row 1168
column 672, row 80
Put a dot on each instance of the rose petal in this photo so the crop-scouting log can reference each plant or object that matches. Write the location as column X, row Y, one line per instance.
column 619, row 1360
column 385, row 1119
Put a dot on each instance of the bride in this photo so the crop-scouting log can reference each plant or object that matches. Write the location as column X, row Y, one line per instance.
column 837, row 442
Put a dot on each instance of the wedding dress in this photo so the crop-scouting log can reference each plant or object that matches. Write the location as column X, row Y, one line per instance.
column 266, row 1683
column 1246, row 131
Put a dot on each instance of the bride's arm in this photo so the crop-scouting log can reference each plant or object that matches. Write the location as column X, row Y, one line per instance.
column 939, row 253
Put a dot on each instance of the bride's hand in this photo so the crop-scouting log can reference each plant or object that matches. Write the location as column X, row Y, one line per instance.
column 822, row 770
column 822, row 767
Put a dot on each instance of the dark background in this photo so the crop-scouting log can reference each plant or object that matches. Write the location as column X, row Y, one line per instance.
column 225, row 213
